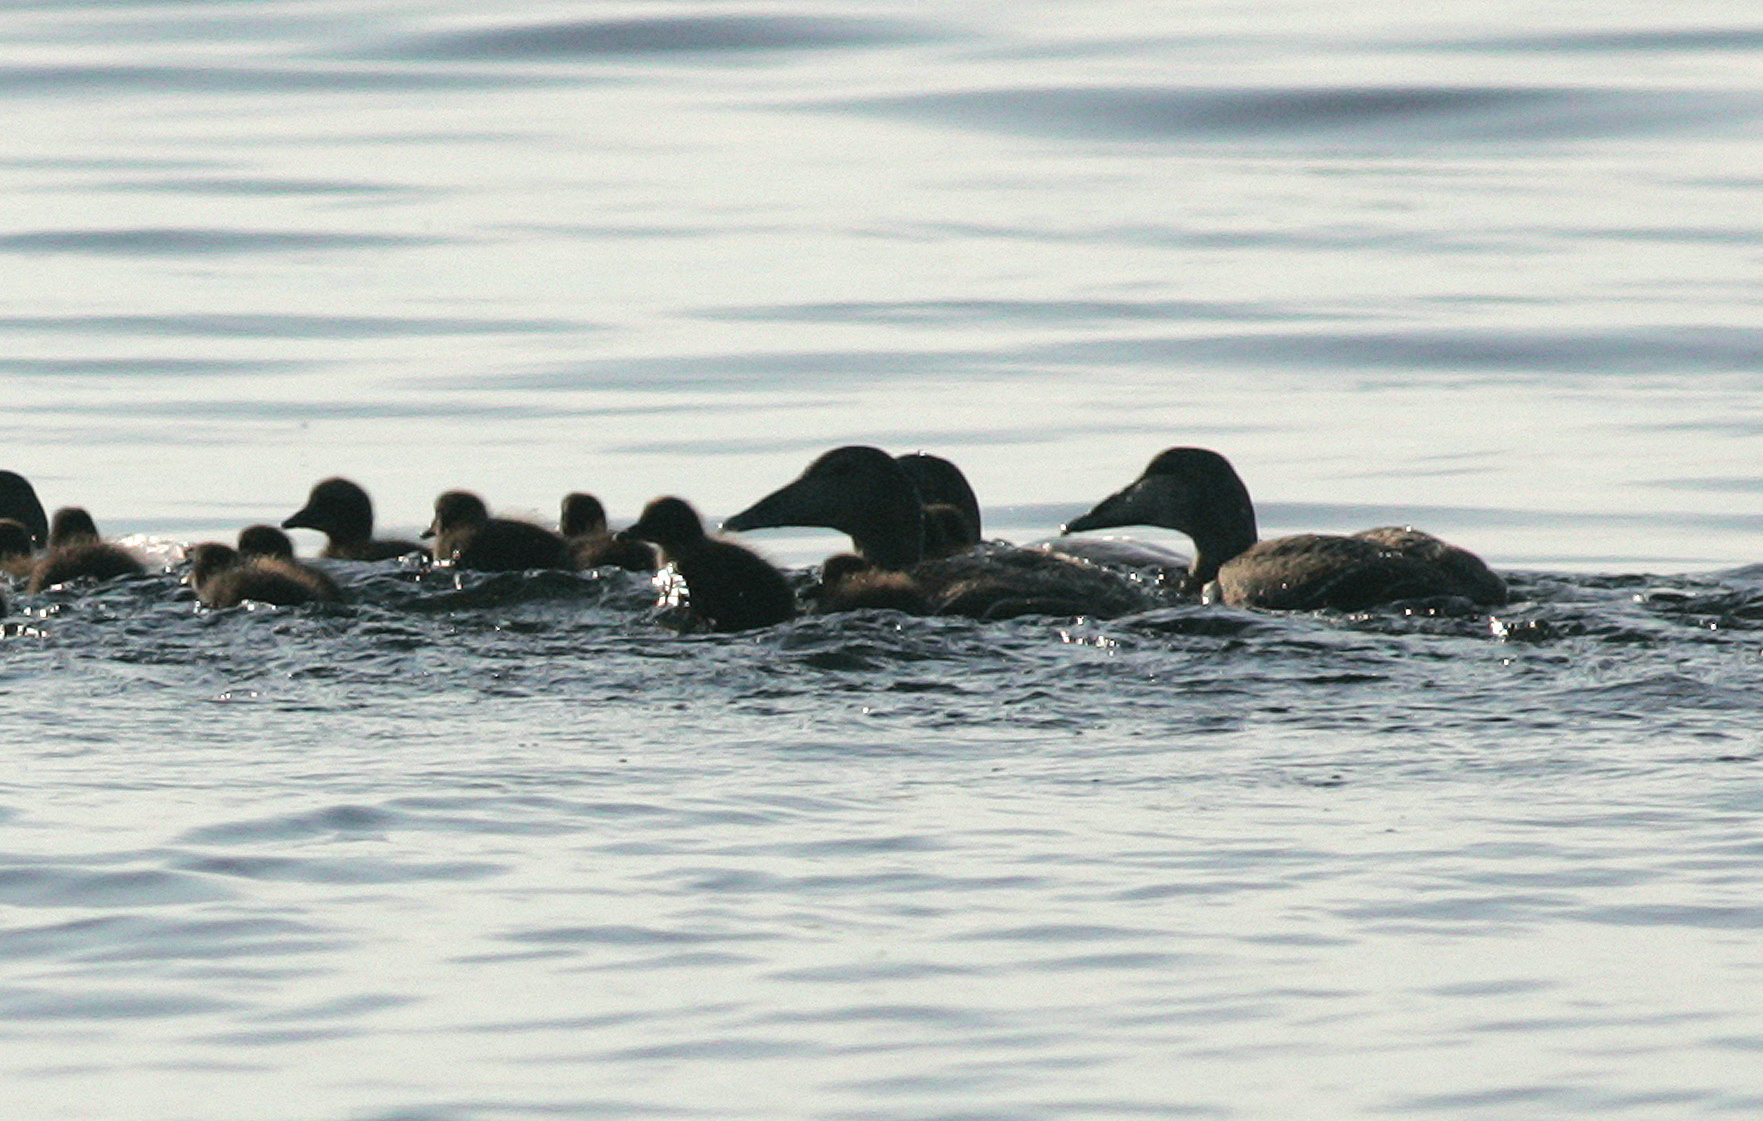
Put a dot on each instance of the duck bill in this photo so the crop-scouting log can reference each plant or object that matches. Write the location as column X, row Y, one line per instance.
column 1131, row 506
column 804, row 502
column 299, row 519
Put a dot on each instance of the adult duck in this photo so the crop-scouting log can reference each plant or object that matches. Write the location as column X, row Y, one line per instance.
column 466, row 536
column 18, row 501
column 582, row 522
column 1197, row 492
column 865, row 493
column 341, row 511
column 729, row 587
column 76, row 552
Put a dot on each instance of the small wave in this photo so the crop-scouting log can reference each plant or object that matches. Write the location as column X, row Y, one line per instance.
column 1410, row 116
column 622, row 38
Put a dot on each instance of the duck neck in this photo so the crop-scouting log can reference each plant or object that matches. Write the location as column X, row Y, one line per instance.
column 1222, row 540
column 892, row 535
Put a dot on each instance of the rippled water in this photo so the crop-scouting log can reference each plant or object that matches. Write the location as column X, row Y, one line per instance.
column 505, row 847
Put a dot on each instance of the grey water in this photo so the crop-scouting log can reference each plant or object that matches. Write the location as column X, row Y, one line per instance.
column 494, row 847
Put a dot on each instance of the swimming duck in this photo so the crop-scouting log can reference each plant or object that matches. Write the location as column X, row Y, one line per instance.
column 271, row 549
column 342, row 511
column 223, row 578
column 467, row 537
column 866, row 493
column 583, row 525
column 730, row 587
column 15, row 549
column 1198, row 492
column 76, row 551
column 850, row 583
column 18, row 501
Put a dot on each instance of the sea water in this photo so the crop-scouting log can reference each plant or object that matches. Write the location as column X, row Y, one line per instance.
column 486, row 847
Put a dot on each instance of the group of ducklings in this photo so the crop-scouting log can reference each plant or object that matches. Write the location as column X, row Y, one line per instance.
column 917, row 546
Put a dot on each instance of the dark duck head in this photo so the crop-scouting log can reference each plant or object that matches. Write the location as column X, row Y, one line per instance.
column 466, row 536
column 18, row 501
column 730, row 587
column 341, row 511
column 265, row 541
column 583, row 524
column 77, row 552
column 860, row 491
column 1197, row 492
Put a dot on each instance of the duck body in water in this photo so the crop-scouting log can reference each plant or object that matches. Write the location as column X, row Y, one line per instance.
column 76, row 551
column 865, row 493
column 341, row 511
column 730, row 587
column 1197, row 492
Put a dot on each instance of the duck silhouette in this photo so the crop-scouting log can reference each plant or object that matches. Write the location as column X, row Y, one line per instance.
column 341, row 511
column 592, row 545
column 730, row 587
column 466, row 536
column 1197, row 492
column 77, row 552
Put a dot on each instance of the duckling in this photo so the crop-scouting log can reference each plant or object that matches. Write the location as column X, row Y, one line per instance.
column 730, row 588
column 223, row 578
column 866, row 493
column 583, row 525
column 850, row 583
column 15, row 549
column 270, row 548
column 1197, row 492
column 76, row 551
column 18, row 501
column 467, row 537
column 342, row 511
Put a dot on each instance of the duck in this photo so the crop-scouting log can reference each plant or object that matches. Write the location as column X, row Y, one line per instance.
column 729, row 587
column 864, row 492
column 15, row 549
column 850, row 583
column 1196, row 491
column 466, row 536
column 18, row 501
column 76, row 551
column 583, row 524
column 270, row 548
column 226, row 577
column 341, row 511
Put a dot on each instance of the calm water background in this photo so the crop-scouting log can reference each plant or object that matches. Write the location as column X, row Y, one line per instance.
column 510, row 850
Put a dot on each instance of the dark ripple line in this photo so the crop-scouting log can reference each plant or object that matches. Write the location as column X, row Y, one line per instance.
column 627, row 37
column 1746, row 39
column 179, row 242
column 1412, row 115
column 38, row 81
column 283, row 326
